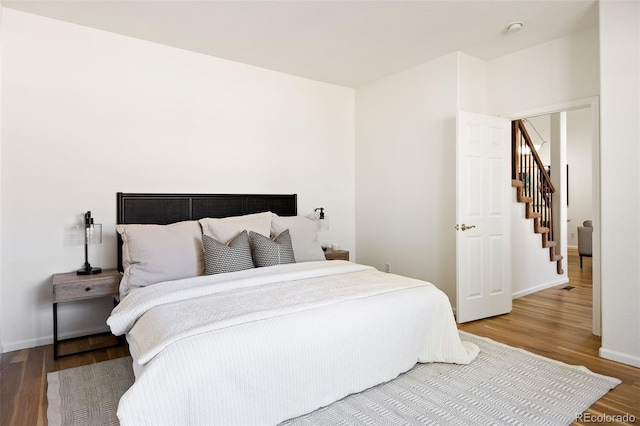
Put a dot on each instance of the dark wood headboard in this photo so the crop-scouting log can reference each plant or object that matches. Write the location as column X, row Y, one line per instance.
column 162, row 209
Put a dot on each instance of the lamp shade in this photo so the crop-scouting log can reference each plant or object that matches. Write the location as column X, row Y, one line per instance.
column 92, row 235
column 323, row 224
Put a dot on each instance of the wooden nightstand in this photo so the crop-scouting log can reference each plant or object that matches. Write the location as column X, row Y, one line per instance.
column 330, row 254
column 70, row 287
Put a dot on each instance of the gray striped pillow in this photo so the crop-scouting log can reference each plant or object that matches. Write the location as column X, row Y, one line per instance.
column 268, row 252
column 220, row 258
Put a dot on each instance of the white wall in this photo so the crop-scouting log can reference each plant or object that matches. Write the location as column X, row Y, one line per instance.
column 87, row 113
column 558, row 71
column 405, row 163
column 531, row 268
column 558, row 138
column 620, row 179
column 579, row 159
column 473, row 82
column 405, row 172
column 1, row 18
column 541, row 124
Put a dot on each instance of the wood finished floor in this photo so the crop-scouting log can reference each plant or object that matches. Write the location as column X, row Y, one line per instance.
column 554, row 323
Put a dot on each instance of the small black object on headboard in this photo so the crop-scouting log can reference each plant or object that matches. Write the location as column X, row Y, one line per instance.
column 162, row 209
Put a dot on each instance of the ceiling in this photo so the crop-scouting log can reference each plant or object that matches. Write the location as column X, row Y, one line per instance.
column 348, row 43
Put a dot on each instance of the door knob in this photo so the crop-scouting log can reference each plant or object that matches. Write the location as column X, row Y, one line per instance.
column 465, row 227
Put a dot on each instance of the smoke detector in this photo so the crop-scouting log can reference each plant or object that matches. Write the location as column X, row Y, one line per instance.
column 514, row 27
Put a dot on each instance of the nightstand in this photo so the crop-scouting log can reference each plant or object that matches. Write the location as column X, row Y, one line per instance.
column 330, row 254
column 71, row 287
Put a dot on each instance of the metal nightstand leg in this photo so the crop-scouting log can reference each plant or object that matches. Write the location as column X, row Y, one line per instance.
column 55, row 330
column 56, row 342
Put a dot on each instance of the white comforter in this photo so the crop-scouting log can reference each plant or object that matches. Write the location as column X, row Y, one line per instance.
column 264, row 345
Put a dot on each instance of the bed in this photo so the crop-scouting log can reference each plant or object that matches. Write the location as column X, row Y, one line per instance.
column 216, row 340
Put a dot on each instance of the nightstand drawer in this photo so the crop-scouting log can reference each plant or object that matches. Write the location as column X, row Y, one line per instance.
column 67, row 287
column 64, row 292
column 330, row 254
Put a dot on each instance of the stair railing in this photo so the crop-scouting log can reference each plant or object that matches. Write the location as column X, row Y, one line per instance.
column 529, row 169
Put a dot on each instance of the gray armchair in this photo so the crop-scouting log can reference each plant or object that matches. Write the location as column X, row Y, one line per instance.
column 585, row 236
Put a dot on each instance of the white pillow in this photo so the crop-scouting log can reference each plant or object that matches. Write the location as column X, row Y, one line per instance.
column 156, row 253
column 226, row 229
column 304, row 236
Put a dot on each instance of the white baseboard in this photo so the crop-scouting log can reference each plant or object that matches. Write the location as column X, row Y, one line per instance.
column 620, row 357
column 559, row 281
column 47, row 340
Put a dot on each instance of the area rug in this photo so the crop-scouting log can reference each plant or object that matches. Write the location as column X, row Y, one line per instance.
column 504, row 385
column 88, row 395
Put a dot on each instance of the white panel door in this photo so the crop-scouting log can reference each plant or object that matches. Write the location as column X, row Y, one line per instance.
column 483, row 191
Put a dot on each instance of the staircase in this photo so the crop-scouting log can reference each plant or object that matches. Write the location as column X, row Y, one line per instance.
column 534, row 188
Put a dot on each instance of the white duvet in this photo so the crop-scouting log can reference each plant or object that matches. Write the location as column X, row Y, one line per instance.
column 264, row 345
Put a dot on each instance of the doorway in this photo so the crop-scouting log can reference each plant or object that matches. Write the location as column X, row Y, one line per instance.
column 574, row 188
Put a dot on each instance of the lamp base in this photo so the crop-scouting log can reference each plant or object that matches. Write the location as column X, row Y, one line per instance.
column 89, row 271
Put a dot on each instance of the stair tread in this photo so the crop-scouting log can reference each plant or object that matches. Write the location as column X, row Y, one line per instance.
column 542, row 230
column 556, row 257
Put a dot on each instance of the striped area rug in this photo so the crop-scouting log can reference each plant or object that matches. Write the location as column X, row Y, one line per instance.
column 503, row 386
column 88, row 395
